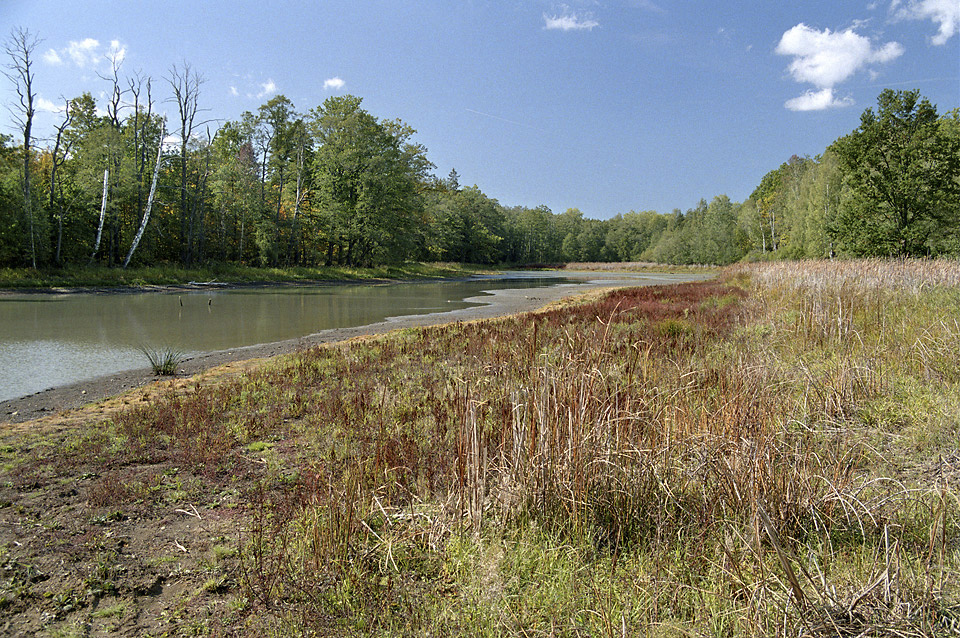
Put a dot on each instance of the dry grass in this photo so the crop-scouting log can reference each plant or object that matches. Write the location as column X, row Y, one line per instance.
column 771, row 456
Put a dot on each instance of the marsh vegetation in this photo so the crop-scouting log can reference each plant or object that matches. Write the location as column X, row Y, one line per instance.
column 774, row 453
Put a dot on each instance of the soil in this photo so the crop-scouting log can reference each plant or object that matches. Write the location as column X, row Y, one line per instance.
column 145, row 549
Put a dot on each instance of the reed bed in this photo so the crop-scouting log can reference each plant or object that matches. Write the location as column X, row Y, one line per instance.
column 861, row 274
column 772, row 454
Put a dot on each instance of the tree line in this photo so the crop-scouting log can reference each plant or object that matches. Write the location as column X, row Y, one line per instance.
column 337, row 185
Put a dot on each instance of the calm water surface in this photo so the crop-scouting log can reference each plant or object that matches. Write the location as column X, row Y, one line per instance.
column 49, row 340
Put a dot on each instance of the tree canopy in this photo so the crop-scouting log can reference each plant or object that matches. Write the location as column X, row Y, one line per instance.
column 900, row 168
column 338, row 185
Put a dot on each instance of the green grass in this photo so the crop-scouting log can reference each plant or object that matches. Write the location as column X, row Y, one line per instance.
column 163, row 360
column 113, row 611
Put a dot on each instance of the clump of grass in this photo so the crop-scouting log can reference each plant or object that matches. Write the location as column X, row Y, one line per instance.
column 164, row 360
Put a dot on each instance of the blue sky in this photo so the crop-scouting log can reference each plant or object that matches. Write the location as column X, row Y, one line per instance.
column 604, row 105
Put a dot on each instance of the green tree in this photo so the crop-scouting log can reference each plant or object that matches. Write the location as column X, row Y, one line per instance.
column 900, row 170
column 276, row 127
column 631, row 234
column 531, row 235
column 569, row 226
column 591, row 240
column 819, row 200
column 766, row 201
column 10, row 219
column 369, row 178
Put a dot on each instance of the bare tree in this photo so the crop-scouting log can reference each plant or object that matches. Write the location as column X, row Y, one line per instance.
column 115, row 101
column 141, row 124
column 61, row 149
column 19, row 70
column 185, row 82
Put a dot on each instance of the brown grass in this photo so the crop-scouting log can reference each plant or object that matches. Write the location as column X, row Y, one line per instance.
column 700, row 459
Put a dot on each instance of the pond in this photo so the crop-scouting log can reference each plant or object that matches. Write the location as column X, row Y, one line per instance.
column 49, row 340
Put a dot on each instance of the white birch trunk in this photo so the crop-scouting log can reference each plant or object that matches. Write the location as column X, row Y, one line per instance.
column 146, row 212
column 103, row 214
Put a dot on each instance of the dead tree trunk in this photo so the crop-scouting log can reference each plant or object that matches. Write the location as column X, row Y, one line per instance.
column 19, row 48
column 185, row 83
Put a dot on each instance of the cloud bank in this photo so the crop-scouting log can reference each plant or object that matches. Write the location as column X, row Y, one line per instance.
column 827, row 58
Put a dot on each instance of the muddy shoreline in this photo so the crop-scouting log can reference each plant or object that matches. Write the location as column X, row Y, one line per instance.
column 498, row 303
column 59, row 399
column 215, row 285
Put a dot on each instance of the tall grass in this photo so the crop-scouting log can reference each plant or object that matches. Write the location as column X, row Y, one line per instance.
column 768, row 456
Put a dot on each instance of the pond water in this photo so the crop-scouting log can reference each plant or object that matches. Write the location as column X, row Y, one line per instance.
column 49, row 340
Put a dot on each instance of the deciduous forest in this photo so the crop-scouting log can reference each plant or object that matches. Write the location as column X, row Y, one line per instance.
column 117, row 183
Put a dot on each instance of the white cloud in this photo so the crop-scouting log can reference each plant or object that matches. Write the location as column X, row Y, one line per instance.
column 117, row 52
column 568, row 21
column 52, row 57
column 43, row 104
column 234, row 92
column 84, row 53
column 827, row 58
column 334, row 84
column 817, row 101
column 946, row 13
column 87, row 53
column 267, row 88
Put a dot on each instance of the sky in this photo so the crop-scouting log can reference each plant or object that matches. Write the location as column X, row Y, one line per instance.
column 606, row 106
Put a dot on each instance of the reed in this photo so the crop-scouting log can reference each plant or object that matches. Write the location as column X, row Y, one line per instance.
column 765, row 455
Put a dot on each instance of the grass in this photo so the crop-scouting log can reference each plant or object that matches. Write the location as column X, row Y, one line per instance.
column 164, row 360
column 169, row 274
column 773, row 454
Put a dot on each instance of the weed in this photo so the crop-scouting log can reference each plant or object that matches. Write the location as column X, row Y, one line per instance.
column 163, row 360
column 223, row 552
column 113, row 611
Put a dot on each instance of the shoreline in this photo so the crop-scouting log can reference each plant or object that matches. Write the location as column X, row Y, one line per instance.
column 215, row 285
column 499, row 303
